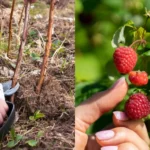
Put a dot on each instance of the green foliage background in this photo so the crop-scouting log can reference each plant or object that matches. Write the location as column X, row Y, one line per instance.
column 96, row 22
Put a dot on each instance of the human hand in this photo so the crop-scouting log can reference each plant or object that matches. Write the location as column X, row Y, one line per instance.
column 89, row 111
column 3, row 105
column 127, row 135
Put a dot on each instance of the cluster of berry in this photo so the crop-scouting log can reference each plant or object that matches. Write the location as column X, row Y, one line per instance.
column 138, row 105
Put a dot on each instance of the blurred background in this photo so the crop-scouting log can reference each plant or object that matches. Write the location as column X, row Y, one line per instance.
column 96, row 22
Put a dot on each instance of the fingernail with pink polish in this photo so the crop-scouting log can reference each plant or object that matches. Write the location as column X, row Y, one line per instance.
column 120, row 115
column 109, row 148
column 118, row 82
column 105, row 135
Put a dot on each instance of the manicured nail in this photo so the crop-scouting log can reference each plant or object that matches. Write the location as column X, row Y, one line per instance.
column 105, row 135
column 118, row 82
column 120, row 115
column 109, row 148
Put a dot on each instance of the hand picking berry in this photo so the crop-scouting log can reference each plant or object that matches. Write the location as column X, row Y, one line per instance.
column 125, row 59
column 137, row 106
column 138, row 78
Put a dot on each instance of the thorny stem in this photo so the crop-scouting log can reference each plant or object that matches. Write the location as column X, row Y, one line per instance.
column 21, row 48
column 138, row 41
column 47, row 48
column 10, row 27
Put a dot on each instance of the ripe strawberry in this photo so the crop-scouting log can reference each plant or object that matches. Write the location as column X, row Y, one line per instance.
column 138, row 78
column 137, row 106
column 125, row 59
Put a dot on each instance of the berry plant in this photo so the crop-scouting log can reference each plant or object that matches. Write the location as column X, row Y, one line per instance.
column 132, row 58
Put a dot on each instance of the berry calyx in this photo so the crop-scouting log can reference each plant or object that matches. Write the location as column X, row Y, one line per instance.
column 138, row 78
column 137, row 106
column 125, row 59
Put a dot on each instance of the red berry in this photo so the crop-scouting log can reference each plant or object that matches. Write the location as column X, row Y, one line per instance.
column 137, row 106
column 125, row 59
column 138, row 78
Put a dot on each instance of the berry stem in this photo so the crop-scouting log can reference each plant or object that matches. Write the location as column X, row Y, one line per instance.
column 138, row 41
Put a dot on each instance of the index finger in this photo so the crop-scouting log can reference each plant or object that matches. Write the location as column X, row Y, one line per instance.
column 138, row 126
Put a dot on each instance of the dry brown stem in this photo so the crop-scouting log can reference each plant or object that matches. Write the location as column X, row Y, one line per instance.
column 47, row 48
column 21, row 48
column 10, row 27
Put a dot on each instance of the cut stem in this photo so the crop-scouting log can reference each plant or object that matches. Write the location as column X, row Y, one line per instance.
column 10, row 27
column 47, row 48
column 21, row 48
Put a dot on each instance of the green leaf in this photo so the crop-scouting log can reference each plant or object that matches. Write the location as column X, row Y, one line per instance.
column 13, row 143
column 123, row 35
column 57, row 42
column 147, row 46
column 147, row 13
column 118, row 37
column 129, row 35
column 79, row 6
column 130, row 24
column 32, row 143
column 32, row 118
column 33, row 33
column 19, row 137
column 39, row 115
column 139, row 33
column 147, row 36
column 12, row 133
column 146, row 53
column 40, row 134
column 35, row 56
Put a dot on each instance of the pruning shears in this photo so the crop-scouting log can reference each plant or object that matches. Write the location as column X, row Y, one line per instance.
column 8, row 91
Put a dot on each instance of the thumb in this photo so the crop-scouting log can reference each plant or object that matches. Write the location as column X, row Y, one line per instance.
column 89, row 111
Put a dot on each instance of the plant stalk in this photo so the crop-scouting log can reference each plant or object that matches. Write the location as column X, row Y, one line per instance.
column 22, row 45
column 47, row 48
column 10, row 27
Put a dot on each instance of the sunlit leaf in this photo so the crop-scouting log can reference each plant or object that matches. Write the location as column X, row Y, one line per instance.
column 139, row 33
column 32, row 143
column 146, row 53
column 123, row 35
column 40, row 134
column 118, row 37
column 13, row 143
